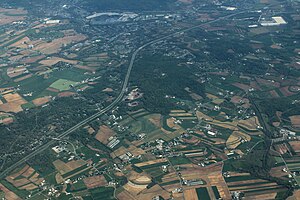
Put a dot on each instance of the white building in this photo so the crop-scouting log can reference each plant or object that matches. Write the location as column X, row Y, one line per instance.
column 211, row 133
column 274, row 22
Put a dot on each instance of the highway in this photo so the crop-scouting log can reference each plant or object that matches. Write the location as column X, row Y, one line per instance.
column 114, row 103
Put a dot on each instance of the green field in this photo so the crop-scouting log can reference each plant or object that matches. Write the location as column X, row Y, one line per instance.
column 250, row 184
column 75, row 171
column 35, row 84
column 294, row 166
column 140, row 123
column 202, row 193
column 216, row 192
column 50, row 178
column 62, row 84
column 72, row 74
column 157, row 134
column 78, row 186
column 279, row 161
column 2, row 195
column 169, row 183
column 239, row 178
column 28, row 105
column 156, row 173
column 102, row 193
column 58, row 79
column 165, row 125
column 297, row 179
column 153, row 165
column 180, row 160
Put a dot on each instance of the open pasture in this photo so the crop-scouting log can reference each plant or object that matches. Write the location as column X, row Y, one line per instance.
column 63, row 84
column 149, row 124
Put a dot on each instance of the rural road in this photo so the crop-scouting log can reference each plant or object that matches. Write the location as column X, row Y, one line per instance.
column 114, row 103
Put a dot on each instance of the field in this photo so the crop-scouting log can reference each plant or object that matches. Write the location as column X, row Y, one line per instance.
column 104, row 134
column 8, row 16
column 205, row 102
column 14, row 103
column 156, row 120
column 171, row 123
column 250, row 124
column 203, row 194
column 54, row 60
column 150, row 124
column 236, row 138
column 134, row 193
column 65, row 94
column 15, row 72
column 23, row 78
column 295, row 146
column 94, row 181
column 37, row 66
column 201, row 115
column 102, row 193
column 151, row 163
column 8, row 194
column 286, row 92
column 55, row 45
column 253, row 187
column 295, row 120
column 59, row 79
column 63, row 84
column 139, row 179
column 179, row 160
column 41, row 101
column 191, row 194
column 217, row 180
column 131, row 149
column 179, row 120
column 180, row 114
column 137, row 182
column 210, row 176
column 294, row 166
column 25, row 179
column 6, row 118
column 242, row 86
column 134, row 188
column 69, row 168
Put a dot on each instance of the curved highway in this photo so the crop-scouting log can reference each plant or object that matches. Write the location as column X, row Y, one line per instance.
column 114, row 103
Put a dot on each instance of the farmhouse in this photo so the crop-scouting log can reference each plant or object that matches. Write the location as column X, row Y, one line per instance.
column 211, row 133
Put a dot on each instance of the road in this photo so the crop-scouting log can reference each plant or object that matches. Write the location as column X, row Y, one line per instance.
column 115, row 102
